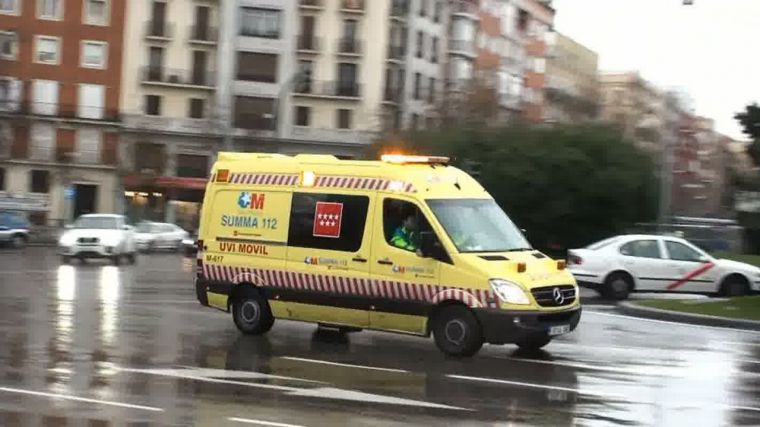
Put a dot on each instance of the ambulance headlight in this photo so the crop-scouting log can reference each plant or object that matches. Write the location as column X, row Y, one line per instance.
column 509, row 292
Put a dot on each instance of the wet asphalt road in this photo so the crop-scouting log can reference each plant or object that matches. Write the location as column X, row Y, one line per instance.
column 103, row 345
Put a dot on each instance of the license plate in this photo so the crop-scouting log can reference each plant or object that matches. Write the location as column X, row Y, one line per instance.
column 559, row 330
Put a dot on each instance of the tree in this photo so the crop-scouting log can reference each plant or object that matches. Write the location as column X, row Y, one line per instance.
column 567, row 186
column 750, row 121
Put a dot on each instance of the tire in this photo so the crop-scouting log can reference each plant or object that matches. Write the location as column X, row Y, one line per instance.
column 734, row 287
column 457, row 331
column 132, row 259
column 18, row 241
column 534, row 342
column 251, row 312
column 116, row 260
column 65, row 259
column 617, row 287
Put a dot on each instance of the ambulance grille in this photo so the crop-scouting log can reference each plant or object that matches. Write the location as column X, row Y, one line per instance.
column 547, row 297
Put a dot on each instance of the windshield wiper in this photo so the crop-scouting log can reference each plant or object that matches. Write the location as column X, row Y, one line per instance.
column 519, row 250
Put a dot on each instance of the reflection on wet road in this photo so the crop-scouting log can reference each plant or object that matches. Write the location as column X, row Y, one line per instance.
column 96, row 344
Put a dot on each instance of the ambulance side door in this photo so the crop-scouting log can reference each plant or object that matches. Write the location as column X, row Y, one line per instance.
column 328, row 259
column 403, row 281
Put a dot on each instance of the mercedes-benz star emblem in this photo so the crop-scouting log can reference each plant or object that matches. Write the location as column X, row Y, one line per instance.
column 558, row 297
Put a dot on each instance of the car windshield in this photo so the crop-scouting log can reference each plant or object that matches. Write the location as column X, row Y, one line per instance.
column 145, row 227
column 478, row 225
column 97, row 223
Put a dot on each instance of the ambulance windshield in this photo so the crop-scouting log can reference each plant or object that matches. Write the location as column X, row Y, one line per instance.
column 478, row 225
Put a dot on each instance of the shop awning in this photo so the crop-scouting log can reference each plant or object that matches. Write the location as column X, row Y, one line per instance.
column 141, row 181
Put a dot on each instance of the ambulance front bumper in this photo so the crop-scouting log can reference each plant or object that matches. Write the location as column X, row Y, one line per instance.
column 508, row 327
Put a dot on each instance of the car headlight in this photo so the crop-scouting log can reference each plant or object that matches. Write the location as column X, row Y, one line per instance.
column 66, row 240
column 509, row 292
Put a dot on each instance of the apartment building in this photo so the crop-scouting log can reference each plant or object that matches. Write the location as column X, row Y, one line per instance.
column 60, row 69
column 572, row 84
column 171, row 127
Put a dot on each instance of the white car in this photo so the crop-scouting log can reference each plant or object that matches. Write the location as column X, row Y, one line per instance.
column 99, row 236
column 620, row 265
column 157, row 235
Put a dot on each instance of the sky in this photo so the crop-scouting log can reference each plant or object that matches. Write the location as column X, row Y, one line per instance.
column 710, row 50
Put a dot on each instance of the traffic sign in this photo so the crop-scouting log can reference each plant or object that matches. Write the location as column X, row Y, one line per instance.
column 69, row 192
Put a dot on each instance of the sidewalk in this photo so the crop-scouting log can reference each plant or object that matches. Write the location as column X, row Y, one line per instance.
column 633, row 309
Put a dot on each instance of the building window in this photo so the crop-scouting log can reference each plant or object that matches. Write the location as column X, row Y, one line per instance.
column 9, row 7
column 40, row 182
column 429, row 122
column 423, row 7
column 91, row 101
column 302, row 115
column 42, row 137
column 197, row 108
column 346, row 236
column 48, row 50
column 434, row 50
column 431, row 90
column 417, row 83
column 192, row 166
column 94, row 54
column 45, row 97
column 539, row 65
column 415, row 121
column 254, row 113
column 50, row 9
column 257, row 67
column 437, row 11
column 153, row 105
column 89, row 141
column 344, row 119
column 96, row 12
column 347, row 85
column 2, row 179
column 264, row 23
column 8, row 45
column 420, row 43
column 150, row 158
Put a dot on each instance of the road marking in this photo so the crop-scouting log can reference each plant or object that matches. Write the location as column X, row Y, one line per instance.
column 717, row 328
column 358, row 396
column 742, row 408
column 345, row 365
column 532, row 385
column 80, row 399
column 261, row 422
column 653, row 370
column 752, row 344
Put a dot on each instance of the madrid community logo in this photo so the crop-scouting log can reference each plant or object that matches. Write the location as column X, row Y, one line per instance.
column 244, row 201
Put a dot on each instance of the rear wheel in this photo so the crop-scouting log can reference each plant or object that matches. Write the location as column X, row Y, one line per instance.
column 534, row 342
column 735, row 286
column 457, row 331
column 18, row 241
column 251, row 312
column 618, row 287
column 132, row 258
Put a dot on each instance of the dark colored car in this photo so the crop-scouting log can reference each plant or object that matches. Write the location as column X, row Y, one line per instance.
column 189, row 245
column 14, row 229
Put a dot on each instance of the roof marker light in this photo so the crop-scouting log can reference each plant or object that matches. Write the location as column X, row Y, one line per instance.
column 396, row 186
column 403, row 159
column 308, row 179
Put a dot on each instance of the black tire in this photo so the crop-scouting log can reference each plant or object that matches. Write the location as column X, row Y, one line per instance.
column 457, row 331
column 65, row 259
column 617, row 287
column 18, row 241
column 116, row 259
column 251, row 312
column 534, row 342
column 735, row 287
column 132, row 259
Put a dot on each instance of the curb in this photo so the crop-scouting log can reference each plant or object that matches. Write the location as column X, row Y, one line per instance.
column 634, row 309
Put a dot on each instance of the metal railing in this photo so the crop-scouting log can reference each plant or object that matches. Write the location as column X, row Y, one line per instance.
column 396, row 52
column 350, row 46
column 203, row 34
column 464, row 7
column 400, row 8
column 174, row 76
column 352, row 5
column 466, row 46
column 159, row 29
column 311, row 3
column 328, row 88
column 59, row 110
column 308, row 42
column 393, row 94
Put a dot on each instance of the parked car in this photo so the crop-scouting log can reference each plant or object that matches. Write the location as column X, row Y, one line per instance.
column 99, row 236
column 152, row 236
column 14, row 229
column 190, row 244
column 623, row 264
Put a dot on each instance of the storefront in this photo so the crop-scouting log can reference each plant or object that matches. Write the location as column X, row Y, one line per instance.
column 164, row 199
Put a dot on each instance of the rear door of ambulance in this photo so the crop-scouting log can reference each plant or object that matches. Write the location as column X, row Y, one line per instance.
column 404, row 281
column 247, row 233
column 328, row 257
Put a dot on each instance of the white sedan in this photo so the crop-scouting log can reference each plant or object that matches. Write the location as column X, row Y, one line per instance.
column 620, row 265
column 98, row 236
column 152, row 236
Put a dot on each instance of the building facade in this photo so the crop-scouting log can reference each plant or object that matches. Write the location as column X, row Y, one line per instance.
column 572, row 83
column 60, row 83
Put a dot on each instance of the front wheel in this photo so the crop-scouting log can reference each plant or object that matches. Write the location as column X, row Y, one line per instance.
column 251, row 313
column 132, row 259
column 534, row 342
column 457, row 331
column 18, row 241
column 735, row 287
column 617, row 287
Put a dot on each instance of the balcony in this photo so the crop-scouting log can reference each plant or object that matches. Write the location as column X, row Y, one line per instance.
column 345, row 136
column 396, row 53
column 203, row 35
column 308, row 43
column 328, row 89
column 464, row 48
column 400, row 9
column 311, row 4
column 352, row 6
column 172, row 77
column 170, row 125
column 158, row 31
column 351, row 47
column 58, row 111
column 393, row 94
column 464, row 9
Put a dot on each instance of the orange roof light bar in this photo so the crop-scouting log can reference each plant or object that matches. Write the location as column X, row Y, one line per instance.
column 404, row 159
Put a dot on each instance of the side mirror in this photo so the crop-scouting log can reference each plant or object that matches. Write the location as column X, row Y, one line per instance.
column 703, row 259
column 126, row 227
column 428, row 244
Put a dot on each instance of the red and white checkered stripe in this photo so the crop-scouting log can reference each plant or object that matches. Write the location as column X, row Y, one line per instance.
column 276, row 179
column 362, row 183
column 397, row 290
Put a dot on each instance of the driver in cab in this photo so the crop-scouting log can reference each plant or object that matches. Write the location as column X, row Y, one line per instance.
column 405, row 236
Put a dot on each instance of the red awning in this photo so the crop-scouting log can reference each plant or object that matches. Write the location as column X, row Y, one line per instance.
column 135, row 181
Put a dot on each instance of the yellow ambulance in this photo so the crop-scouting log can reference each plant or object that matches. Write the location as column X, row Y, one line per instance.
column 405, row 244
